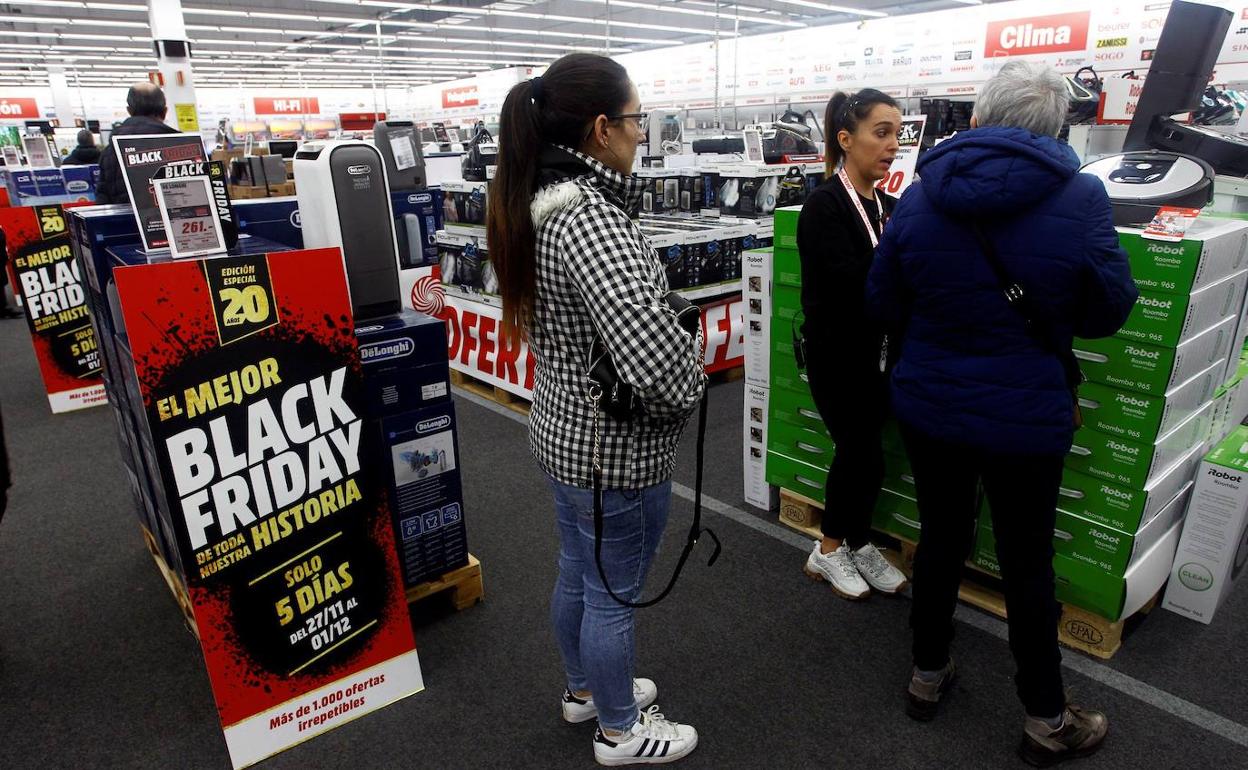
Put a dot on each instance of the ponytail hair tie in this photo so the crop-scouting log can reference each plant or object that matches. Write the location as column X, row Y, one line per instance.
column 535, row 90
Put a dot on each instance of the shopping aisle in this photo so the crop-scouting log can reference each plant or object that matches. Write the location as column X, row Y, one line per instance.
column 774, row 671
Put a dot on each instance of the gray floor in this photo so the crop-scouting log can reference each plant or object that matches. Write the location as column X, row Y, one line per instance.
column 97, row 670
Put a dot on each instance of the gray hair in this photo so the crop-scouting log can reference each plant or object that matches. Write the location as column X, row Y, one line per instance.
column 1024, row 95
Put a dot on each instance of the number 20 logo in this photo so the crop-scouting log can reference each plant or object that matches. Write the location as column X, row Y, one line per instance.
column 249, row 305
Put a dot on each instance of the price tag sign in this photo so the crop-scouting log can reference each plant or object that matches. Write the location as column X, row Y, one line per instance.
column 902, row 172
column 190, row 215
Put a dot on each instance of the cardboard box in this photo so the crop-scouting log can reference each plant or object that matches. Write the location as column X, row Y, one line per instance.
column 49, row 181
column 785, row 233
column 1124, row 508
column 80, row 180
column 1133, row 464
column 662, row 189
column 464, row 202
column 897, row 514
column 758, row 492
column 756, row 291
column 1211, row 250
column 1141, row 417
column 670, row 247
column 465, row 261
column 1168, row 319
column 812, row 446
column 748, row 190
column 1213, row 548
column 417, row 219
column 1151, row 369
column 692, row 183
column 419, row 452
column 404, row 361
column 803, row 478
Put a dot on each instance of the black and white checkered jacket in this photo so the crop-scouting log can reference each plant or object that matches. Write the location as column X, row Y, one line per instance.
column 597, row 271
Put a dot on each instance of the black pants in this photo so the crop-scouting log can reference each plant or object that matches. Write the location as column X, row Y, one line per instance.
column 853, row 409
column 1022, row 494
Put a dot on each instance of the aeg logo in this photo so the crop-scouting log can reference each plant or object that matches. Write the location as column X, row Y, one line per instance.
column 1118, row 446
column 1160, row 304
column 1123, row 398
column 1039, row 34
column 1142, row 353
column 1115, row 492
column 1158, row 248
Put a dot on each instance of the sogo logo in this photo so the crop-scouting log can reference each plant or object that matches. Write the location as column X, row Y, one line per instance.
column 1038, row 34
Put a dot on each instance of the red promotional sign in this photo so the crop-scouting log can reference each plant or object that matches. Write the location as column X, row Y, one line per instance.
column 288, row 105
column 46, row 276
column 466, row 96
column 1038, row 34
column 18, row 108
column 253, row 411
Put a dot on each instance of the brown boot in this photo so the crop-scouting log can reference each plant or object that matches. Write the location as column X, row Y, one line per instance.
column 1081, row 735
column 923, row 697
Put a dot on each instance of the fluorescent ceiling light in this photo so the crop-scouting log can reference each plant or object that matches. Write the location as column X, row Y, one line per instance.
column 673, row 8
column 833, row 8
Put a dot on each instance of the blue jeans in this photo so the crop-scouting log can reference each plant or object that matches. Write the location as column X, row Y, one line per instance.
column 595, row 632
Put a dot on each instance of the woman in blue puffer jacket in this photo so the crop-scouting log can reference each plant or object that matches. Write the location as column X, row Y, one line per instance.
column 980, row 395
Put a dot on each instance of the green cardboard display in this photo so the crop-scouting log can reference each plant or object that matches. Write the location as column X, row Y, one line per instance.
column 1211, row 250
column 1141, row 417
column 1131, row 464
column 1120, row 507
column 1168, row 319
column 1151, row 369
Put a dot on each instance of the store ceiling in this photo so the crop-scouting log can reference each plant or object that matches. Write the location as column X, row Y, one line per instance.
column 324, row 43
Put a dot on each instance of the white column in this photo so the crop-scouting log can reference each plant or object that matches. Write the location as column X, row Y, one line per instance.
column 61, row 97
column 174, row 67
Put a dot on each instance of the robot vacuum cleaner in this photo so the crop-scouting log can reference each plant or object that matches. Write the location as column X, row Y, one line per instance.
column 1141, row 182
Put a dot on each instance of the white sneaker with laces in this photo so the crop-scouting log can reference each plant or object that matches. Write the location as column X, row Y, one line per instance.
column 839, row 570
column 577, row 710
column 878, row 571
column 653, row 740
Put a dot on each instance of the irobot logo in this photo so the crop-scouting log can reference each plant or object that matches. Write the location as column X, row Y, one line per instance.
column 1158, row 248
column 1123, row 398
column 1142, row 353
column 437, row 423
column 1125, row 449
column 1160, row 304
column 1195, row 576
column 1106, row 537
column 1118, row 493
column 1226, row 476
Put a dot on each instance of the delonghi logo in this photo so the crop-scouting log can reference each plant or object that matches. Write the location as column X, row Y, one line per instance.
column 1106, row 537
column 1142, row 353
column 1217, row 474
column 420, row 198
column 1159, row 248
column 1042, row 34
column 1118, row 446
column 1160, row 304
column 436, row 423
column 366, row 329
column 362, row 168
column 963, row 55
column 296, row 219
column 385, row 351
column 1115, row 492
column 77, row 186
column 1123, row 398
column 1196, row 576
column 1083, row 632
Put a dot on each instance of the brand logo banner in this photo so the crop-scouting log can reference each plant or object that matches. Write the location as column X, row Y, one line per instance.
column 1038, row 34
column 467, row 96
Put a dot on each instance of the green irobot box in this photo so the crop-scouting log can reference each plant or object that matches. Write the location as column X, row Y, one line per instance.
column 1120, row 507
column 1211, row 250
column 786, row 304
column 784, row 371
column 898, row 514
column 803, row 478
column 786, row 227
column 1151, row 369
column 1141, row 417
column 1168, row 319
column 1131, row 464
column 813, row 447
column 786, row 267
column 794, row 407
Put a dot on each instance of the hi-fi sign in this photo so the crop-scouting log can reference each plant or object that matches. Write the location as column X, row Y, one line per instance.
column 292, row 105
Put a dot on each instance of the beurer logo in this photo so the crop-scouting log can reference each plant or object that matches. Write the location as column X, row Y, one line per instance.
column 1160, row 304
column 1142, row 353
column 420, row 198
column 385, row 351
column 1106, row 537
column 431, row 425
column 1217, row 474
column 1118, row 493
column 1043, row 34
column 1118, row 446
column 1159, row 248
column 363, row 168
column 1123, row 398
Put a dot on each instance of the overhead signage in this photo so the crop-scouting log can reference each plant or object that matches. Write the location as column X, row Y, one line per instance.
column 1038, row 35
column 466, row 96
column 290, row 105
column 18, row 107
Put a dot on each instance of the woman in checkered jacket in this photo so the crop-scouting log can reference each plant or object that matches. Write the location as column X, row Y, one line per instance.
column 572, row 263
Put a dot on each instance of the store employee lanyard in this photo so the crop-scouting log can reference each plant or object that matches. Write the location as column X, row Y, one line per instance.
column 862, row 211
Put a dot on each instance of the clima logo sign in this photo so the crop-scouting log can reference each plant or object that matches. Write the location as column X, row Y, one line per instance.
column 1038, row 34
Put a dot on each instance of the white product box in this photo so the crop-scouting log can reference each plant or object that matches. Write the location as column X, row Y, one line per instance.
column 758, row 492
column 756, row 291
column 1213, row 549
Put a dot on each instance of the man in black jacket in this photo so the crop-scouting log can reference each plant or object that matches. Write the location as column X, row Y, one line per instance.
column 146, row 104
column 85, row 153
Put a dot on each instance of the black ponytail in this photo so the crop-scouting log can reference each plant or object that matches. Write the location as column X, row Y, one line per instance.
column 557, row 108
column 844, row 113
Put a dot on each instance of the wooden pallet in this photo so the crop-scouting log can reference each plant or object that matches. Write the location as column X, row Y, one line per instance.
column 173, row 581
column 463, row 585
column 735, row 374
column 1078, row 628
column 490, row 392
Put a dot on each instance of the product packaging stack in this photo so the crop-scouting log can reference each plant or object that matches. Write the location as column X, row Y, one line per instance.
column 1150, row 407
column 48, row 185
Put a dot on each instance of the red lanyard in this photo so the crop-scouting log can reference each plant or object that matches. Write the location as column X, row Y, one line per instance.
column 862, row 212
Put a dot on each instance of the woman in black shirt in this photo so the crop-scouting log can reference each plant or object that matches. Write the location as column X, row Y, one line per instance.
column 837, row 232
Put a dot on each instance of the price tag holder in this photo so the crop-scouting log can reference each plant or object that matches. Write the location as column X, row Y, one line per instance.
column 189, row 211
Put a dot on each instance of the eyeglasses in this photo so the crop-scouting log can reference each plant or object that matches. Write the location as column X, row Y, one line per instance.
column 642, row 118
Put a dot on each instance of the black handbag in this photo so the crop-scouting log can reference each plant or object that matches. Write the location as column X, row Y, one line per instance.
column 610, row 394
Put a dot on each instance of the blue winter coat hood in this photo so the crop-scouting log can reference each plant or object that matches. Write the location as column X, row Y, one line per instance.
column 994, row 170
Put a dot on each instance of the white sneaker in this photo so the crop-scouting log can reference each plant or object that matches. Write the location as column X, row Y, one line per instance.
column 576, row 710
column 653, row 740
column 839, row 570
column 878, row 571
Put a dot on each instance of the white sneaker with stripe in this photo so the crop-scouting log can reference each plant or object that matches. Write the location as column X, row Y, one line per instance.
column 577, row 710
column 652, row 740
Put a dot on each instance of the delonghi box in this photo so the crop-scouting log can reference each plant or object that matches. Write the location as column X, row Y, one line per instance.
column 1213, row 548
column 464, row 202
column 1149, row 368
column 1141, row 417
column 1168, row 319
column 404, row 361
column 417, row 220
column 1124, row 508
column 1211, row 250
column 465, row 261
column 1131, row 464
column 420, row 456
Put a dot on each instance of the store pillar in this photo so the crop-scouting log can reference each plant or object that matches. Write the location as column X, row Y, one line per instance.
column 173, row 63
column 61, row 100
